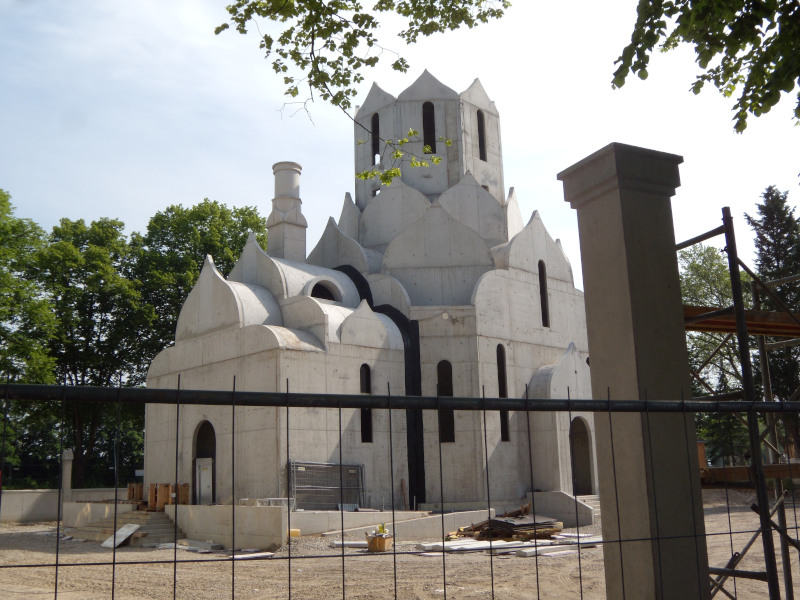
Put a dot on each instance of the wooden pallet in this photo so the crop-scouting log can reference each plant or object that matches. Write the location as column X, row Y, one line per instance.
column 161, row 494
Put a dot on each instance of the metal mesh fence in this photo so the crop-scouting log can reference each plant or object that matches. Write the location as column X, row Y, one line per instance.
column 44, row 559
column 326, row 486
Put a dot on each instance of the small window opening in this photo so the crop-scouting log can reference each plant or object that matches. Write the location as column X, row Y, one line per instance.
column 444, row 387
column 322, row 292
column 481, row 136
column 376, row 139
column 366, row 413
column 502, row 391
column 543, row 294
column 429, row 126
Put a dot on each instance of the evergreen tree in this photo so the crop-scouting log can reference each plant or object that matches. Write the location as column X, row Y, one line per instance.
column 777, row 240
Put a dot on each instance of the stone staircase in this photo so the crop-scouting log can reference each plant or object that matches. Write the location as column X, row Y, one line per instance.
column 154, row 528
column 593, row 501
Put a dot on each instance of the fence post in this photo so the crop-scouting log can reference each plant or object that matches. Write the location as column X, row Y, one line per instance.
column 66, row 464
column 649, row 483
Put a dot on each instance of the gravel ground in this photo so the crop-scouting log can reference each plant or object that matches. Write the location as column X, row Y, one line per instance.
column 317, row 571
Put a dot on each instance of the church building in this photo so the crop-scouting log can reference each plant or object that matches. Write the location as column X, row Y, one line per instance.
column 431, row 286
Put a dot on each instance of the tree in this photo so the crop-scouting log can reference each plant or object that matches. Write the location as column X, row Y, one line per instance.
column 705, row 281
column 26, row 324
column 777, row 242
column 86, row 272
column 26, row 321
column 170, row 254
column 740, row 44
column 325, row 45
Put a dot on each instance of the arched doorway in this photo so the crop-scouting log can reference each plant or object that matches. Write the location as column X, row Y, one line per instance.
column 204, row 458
column 581, row 457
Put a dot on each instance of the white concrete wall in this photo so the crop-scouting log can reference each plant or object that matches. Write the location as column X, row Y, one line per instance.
column 78, row 514
column 312, row 522
column 24, row 506
column 256, row 526
column 261, row 457
column 562, row 507
column 20, row 506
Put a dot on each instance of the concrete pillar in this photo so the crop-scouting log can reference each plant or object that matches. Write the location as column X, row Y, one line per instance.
column 286, row 225
column 66, row 475
column 647, row 463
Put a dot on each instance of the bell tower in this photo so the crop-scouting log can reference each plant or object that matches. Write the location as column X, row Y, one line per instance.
column 469, row 121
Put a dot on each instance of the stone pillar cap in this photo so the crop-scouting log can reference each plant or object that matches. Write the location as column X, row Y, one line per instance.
column 621, row 166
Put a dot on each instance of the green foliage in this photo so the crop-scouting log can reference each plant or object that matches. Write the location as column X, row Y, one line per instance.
column 777, row 241
column 99, row 316
column 171, row 253
column 398, row 157
column 325, row 45
column 26, row 320
column 705, row 281
column 89, row 307
column 740, row 45
column 85, row 270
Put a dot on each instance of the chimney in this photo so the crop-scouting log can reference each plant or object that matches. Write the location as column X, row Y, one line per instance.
column 286, row 224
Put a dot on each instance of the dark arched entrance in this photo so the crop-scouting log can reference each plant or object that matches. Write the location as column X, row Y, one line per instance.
column 581, row 457
column 204, row 458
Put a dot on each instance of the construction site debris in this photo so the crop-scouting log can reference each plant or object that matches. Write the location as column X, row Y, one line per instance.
column 122, row 534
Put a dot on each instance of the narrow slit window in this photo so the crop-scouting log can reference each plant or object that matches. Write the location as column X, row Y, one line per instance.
column 502, row 391
column 543, row 294
column 366, row 413
column 375, row 137
column 429, row 127
column 444, row 387
column 481, row 136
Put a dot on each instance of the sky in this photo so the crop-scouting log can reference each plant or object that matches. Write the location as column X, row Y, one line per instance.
column 121, row 109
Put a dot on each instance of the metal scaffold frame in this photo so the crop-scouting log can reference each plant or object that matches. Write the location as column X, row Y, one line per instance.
column 737, row 320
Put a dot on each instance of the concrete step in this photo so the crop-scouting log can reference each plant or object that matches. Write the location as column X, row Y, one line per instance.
column 592, row 500
column 154, row 528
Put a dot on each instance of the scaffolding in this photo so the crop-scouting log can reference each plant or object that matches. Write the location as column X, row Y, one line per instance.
column 739, row 322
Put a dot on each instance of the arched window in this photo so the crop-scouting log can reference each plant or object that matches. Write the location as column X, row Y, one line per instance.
column 429, row 127
column 366, row 413
column 444, row 387
column 323, row 292
column 502, row 391
column 543, row 294
column 376, row 139
column 481, row 136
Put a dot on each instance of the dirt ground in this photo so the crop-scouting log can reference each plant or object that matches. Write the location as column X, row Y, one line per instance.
column 316, row 571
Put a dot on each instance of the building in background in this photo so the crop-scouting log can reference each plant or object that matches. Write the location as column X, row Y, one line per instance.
column 433, row 286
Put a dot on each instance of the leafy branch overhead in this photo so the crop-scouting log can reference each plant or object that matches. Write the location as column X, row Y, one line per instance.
column 394, row 150
column 743, row 47
column 326, row 44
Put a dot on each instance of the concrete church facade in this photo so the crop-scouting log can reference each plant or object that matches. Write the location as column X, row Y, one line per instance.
column 431, row 286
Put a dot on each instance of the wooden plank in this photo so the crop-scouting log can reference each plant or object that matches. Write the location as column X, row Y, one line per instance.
column 183, row 493
column 122, row 534
column 162, row 495
column 759, row 322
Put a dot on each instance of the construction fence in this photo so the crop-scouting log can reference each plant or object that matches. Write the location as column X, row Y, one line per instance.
column 520, row 555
